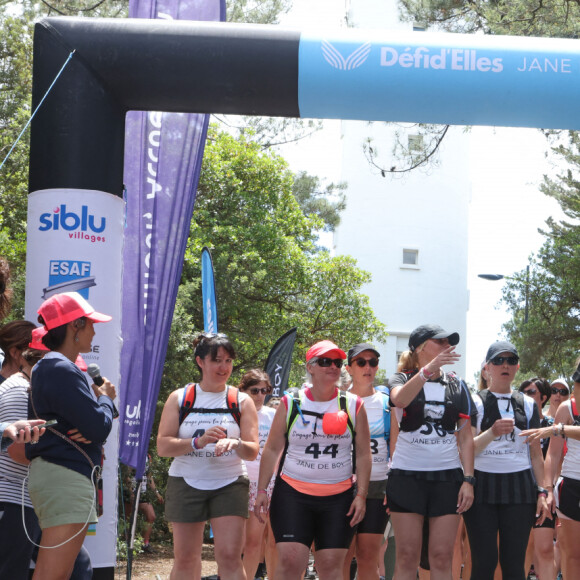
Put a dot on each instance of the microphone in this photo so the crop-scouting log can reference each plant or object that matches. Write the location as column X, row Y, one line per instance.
column 94, row 372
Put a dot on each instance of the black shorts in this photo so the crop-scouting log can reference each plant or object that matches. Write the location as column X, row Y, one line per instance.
column 548, row 523
column 409, row 494
column 376, row 518
column 569, row 498
column 302, row 518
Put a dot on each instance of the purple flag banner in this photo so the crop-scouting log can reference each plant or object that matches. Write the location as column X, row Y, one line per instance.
column 163, row 154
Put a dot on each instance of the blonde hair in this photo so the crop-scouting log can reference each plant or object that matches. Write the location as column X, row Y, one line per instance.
column 408, row 360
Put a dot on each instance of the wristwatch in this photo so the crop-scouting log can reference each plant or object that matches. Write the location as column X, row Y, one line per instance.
column 469, row 479
column 542, row 491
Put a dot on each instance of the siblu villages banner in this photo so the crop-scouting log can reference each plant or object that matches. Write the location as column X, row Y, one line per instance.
column 439, row 78
column 162, row 163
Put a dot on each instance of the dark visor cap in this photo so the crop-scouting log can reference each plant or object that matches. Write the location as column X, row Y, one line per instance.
column 427, row 331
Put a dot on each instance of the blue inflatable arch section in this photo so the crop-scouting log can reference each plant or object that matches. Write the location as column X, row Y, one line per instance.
column 77, row 137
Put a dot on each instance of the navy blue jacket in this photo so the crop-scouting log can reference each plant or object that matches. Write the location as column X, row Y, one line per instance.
column 60, row 391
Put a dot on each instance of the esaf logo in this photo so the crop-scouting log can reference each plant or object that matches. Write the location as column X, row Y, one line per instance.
column 78, row 226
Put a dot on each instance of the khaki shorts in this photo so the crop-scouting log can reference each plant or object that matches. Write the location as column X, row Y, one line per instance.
column 60, row 495
column 185, row 504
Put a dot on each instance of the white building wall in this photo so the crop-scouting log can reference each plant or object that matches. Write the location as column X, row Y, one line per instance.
column 425, row 210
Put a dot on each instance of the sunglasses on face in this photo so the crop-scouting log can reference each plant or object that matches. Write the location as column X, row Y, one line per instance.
column 256, row 390
column 563, row 392
column 530, row 392
column 362, row 362
column 326, row 362
column 499, row 360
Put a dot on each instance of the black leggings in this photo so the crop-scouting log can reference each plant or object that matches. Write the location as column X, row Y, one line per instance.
column 513, row 522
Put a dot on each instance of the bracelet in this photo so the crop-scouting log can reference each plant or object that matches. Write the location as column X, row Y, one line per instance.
column 555, row 431
column 562, row 430
column 263, row 491
column 362, row 492
column 427, row 373
column 194, row 443
column 542, row 491
column 422, row 376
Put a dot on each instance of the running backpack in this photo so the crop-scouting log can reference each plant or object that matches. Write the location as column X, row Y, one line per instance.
column 189, row 393
column 296, row 411
column 491, row 410
column 414, row 413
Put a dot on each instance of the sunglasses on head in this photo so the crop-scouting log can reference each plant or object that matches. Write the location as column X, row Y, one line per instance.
column 530, row 392
column 562, row 392
column 510, row 360
column 256, row 390
column 362, row 362
column 326, row 362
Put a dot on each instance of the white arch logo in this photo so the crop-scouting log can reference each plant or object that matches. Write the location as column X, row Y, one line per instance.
column 353, row 60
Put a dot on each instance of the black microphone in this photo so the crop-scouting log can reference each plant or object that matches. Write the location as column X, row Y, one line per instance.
column 95, row 373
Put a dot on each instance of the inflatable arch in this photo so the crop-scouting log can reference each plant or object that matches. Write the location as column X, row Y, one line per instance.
column 77, row 137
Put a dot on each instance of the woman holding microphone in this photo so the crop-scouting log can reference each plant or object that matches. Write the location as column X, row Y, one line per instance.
column 64, row 474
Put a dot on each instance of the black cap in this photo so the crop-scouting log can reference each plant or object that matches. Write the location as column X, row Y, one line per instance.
column 498, row 347
column 427, row 331
column 361, row 347
column 576, row 375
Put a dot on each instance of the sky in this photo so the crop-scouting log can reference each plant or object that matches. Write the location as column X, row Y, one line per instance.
column 506, row 210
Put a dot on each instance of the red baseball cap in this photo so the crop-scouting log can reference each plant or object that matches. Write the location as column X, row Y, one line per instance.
column 68, row 306
column 325, row 348
column 37, row 344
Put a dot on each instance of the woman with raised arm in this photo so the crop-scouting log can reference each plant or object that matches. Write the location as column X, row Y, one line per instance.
column 507, row 499
column 432, row 469
column 64, row 472
column 315, row 498
column 209, row 428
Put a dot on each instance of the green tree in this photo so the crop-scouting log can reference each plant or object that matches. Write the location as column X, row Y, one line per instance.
column 548, row 342
column 270, row 276
column 325, row 202
column 511, row 17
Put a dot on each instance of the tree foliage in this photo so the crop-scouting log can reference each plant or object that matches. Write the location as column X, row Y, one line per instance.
column 270, row 276
column 325, row 202
column 510, row 17
column 548, row 343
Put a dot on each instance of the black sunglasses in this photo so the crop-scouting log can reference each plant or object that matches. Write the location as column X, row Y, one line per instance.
column 326, row 362
column 362, row 362
column 562, row 392
column 256, row 390
column 530, row 392
column 510, row 360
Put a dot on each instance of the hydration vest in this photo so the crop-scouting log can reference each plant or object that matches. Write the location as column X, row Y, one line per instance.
column 232, row 398
column 491, row 410
column 414, row 413
column 296, row 411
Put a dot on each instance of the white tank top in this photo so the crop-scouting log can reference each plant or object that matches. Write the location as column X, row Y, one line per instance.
column 508, row 453
column 375, row 408
column 265, row 418
column 201, row 468
column 313, row 456
column 571, row 464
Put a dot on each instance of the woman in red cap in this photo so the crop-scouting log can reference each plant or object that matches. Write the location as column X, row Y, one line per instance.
column 315, row 499
column 63, row 472
column 427, row 482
